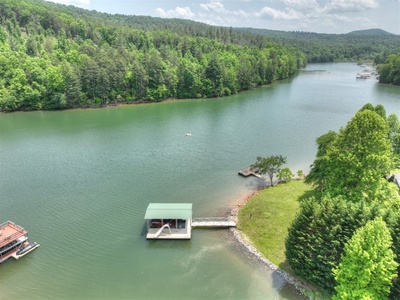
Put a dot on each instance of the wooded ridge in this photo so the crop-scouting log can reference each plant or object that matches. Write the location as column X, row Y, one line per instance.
column 54, row 56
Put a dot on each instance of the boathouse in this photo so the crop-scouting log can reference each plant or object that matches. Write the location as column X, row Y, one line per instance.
column 169, row 220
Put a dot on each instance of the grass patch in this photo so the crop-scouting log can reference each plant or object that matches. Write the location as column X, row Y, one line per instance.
column 266, row 217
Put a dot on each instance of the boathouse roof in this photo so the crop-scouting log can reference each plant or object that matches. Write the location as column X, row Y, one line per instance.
column 10, row 232
column 169, row 211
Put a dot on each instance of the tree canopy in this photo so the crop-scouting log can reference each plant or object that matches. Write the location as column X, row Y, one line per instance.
column 389, row 71
column 349, row 177
column 355, row 46
column 355, row 161
column 270, row 165
column 55, row 56
column 367, row 267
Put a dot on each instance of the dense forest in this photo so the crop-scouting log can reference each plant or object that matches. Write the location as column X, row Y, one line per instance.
column 354, row 46
column 375, row 45
column 55, row 56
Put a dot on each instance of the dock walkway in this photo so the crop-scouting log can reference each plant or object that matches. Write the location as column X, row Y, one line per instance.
column 213, row 222
column 249, row 171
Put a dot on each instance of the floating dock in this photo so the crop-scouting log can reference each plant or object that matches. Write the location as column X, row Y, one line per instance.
column 249, row 172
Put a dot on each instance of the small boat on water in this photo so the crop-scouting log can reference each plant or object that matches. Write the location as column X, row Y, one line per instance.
column 27, row 248
column 363, row 75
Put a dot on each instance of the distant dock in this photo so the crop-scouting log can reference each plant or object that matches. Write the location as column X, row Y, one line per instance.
column 249, row 172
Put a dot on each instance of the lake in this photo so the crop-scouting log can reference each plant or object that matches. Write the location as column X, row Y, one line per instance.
column 80, row 181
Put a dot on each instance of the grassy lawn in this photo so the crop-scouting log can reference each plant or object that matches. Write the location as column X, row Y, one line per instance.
column 265, row 218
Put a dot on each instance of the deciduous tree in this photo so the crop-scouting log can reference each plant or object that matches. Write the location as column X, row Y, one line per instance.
column 359, row 159
column 368, row 266
column 285, row 175
column 269, row 165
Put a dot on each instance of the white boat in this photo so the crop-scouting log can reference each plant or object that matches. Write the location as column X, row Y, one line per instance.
column 363, row 75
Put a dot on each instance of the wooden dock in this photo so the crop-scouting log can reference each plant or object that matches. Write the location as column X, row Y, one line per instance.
column 249, row 171
column 213, row 222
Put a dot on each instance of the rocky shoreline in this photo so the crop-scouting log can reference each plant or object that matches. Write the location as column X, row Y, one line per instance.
column 244, row 243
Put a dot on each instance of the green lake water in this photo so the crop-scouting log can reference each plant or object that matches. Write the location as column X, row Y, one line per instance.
column 80, row 181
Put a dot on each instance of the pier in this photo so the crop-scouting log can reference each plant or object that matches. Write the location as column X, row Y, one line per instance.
column 213, row 222
column 249, row 171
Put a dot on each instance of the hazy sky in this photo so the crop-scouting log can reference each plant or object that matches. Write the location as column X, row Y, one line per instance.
column 322, row 16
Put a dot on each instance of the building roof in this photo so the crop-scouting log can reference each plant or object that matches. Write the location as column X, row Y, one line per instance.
column 10, row 232
column 169, row 211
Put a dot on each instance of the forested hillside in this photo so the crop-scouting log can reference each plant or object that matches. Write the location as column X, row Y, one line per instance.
column 55, row 56
column 389, row 72
column 354, row 46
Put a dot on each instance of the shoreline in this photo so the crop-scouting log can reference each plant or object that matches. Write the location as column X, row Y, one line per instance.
column 244, row 242
column 143, row 102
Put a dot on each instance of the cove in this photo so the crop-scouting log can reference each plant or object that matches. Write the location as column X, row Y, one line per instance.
column 80, row 181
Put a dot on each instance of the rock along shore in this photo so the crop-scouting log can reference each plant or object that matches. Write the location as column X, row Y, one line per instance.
column 244, row 243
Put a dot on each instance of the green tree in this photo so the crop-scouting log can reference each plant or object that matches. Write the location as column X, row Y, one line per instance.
column 270, row 165
column 380, row 110
column 317, row 236
column 394, row 128
column 300, row 174
column 394, row 135
column 31, row 47
column 245, row 73
column 367, row 106
column 318, row 172
column 214, row 73
column 368, row 266
column 155, row 67
column 359, row 158
column 91, row 78
column 72, row 86
column 189, row 83
column 389, row 72
column 139, row 80
column 285, row 175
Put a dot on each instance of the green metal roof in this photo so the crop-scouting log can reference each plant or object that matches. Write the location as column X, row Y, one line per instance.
column 169, row 211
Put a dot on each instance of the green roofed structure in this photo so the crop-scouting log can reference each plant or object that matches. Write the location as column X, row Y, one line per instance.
column 169, row 220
